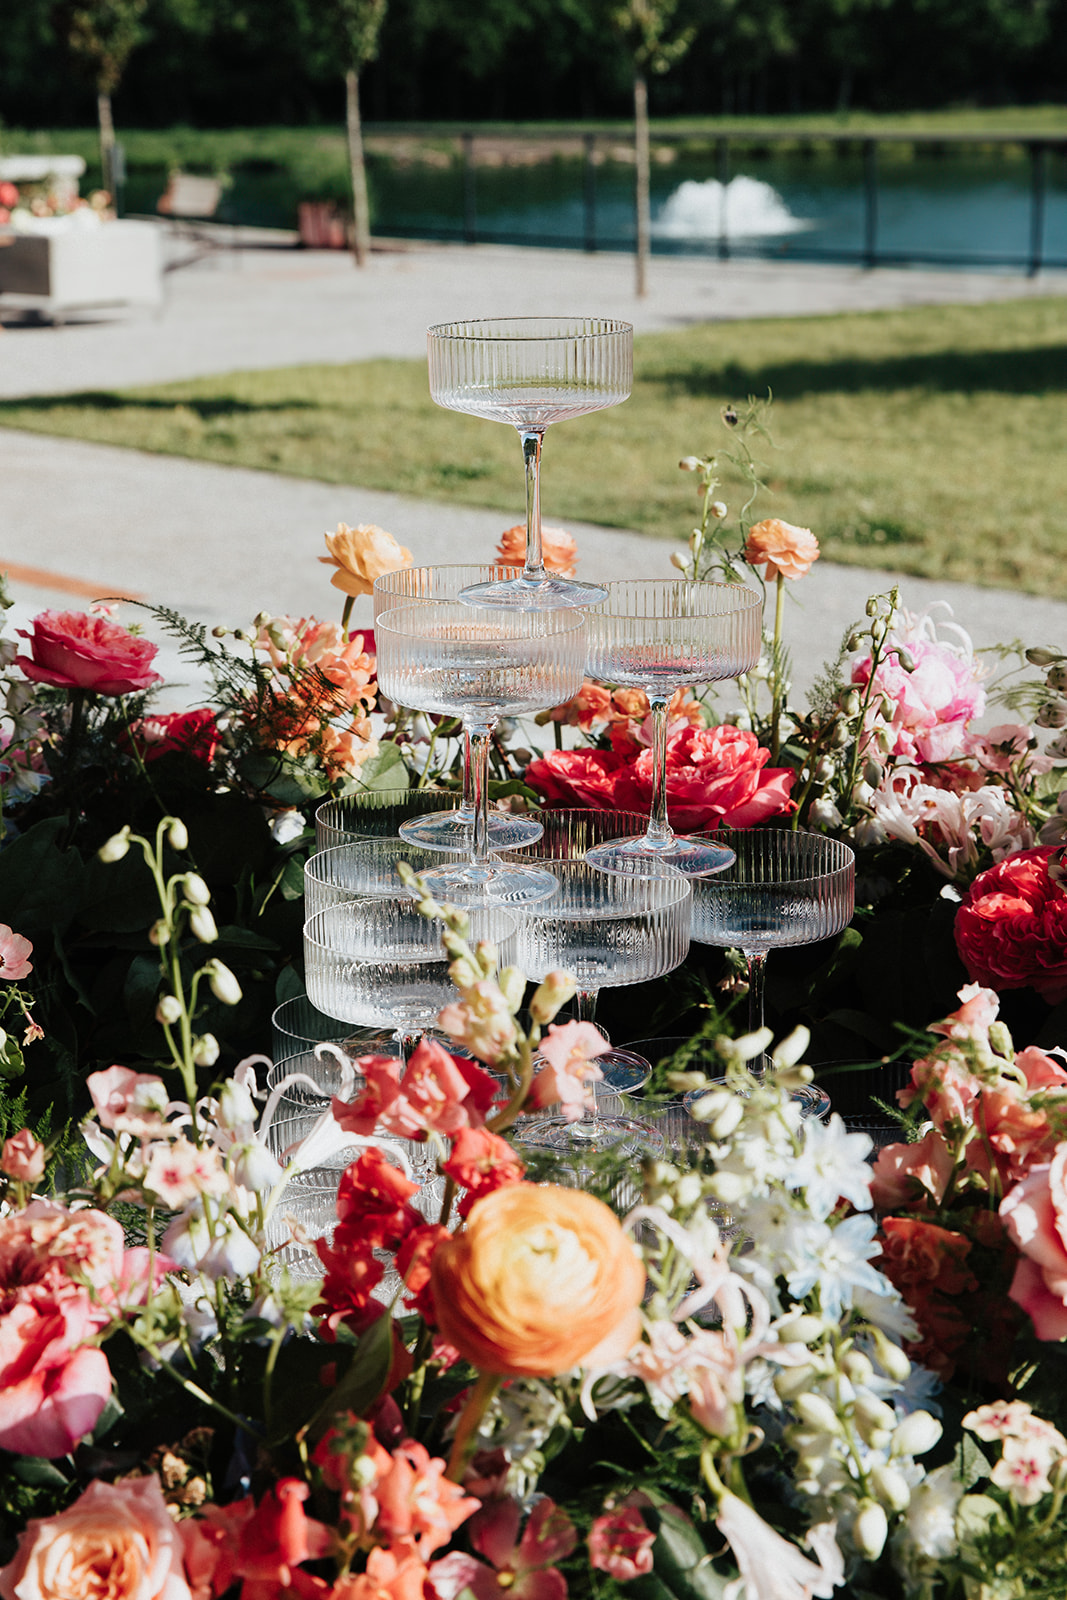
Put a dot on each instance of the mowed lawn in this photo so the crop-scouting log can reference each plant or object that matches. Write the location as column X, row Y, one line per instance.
column 931, row 441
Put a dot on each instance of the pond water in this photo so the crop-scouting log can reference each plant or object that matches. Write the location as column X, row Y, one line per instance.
column 956, row 208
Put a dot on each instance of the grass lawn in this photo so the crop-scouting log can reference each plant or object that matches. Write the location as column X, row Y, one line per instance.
column 929, row 441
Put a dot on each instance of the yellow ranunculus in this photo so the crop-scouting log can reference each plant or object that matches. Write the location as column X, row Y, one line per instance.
column 362, row 554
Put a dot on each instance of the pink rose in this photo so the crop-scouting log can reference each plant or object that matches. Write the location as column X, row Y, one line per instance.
column 117, row 1541
column 74, row 650
column 901, row 1169
column 715, row 776
column 620, row 1544
column 576, row 777
column 23, row 1158
column 52, row 1388
column 14, row 954
column 1035, row 1215
column 1011, row 929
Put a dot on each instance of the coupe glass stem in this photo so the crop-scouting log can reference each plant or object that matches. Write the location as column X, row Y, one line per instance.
column 659, row 831
column 585, row 1004
column 480, row 736
column 757, row 973
column 466, row 809
column 532, row 440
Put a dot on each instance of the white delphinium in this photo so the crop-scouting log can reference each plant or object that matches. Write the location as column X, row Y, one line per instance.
column 927, row 1535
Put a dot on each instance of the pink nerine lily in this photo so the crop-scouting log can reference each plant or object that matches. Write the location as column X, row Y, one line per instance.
column 524, row 1570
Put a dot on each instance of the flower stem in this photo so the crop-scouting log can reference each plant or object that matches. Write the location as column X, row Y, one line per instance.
column 478, row 1403
column 776, row 668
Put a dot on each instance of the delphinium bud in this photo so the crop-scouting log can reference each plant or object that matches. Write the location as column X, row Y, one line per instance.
column 178, row 834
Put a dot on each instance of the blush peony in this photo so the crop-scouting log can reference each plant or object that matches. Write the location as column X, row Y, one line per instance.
column 1011, row 929
column 541, row 1280
column 117, row 1541
column 788, row 552
column 73, row 650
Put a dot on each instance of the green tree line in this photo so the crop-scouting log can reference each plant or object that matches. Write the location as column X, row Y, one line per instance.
column 241, row 62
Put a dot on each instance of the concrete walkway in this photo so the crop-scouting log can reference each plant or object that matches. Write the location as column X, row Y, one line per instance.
column 220, row 544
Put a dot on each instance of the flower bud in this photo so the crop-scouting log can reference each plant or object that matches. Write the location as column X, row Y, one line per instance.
column 728, row 1118
column 511, row 981
column 719, row 510
column 177, row 834
column 793, row 1381
column 1000, row 1040
column 488, row 956
column 205, row 1050
column 824, row 814
column 1052, row 715
column 678, row 561
column 159, row 932
column 254, row 1167
column 858, row 1370
column 750, row 1045
column 891, row 1486
column 917, row 1433
column 169, row 1009
column 202, row 925
column 224, row 985
column 555, row 991
column 1038, row 657
column 116, row 847
column 890, row 1356
column 463, row 973
column 1056, row 679
column 872, row 1416
column 195, row 889
column 799, row 1329
column 905, row 657
column 870, row 1529
column 868, row 832
column 817, row 1412
column 235, row 1106
column 711, row 1105
column 690, row 464
column 728, row 1187
column 792, row 1048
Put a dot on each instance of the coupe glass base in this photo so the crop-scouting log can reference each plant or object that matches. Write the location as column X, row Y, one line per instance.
column 499, row 883
column 549, row 593
column 637, row 857
column 451, row 830
column 624, row 1072
column 624, row 1135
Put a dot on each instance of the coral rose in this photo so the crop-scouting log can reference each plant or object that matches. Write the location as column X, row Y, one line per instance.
column 542, row 1279
column 715, row 776
column 1035, row 1215
column 74, row 650
column 1011, row 929
column 117, row 1541
column 788, row 551
column 361, row 554
column 558, row 550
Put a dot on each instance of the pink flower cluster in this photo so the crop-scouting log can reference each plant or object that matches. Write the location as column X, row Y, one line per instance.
column 1030, row 1447
column 927, row 693
column 293, row 718
column 438, row 1093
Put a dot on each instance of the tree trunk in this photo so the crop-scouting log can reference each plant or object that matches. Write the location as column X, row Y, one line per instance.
column 107, row 140
column 357, row 167
column 642, row 164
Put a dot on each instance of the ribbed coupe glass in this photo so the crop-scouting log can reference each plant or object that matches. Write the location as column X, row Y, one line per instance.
column 659, row 635
column 481, row 665
column 529, row 372
column 452, row 829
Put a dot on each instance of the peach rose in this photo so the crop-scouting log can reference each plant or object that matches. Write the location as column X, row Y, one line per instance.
column 116, row 1542
column 24, row 1157
column 787, row 551
column 360, row 555
column 542, row 1279
column 558, row 550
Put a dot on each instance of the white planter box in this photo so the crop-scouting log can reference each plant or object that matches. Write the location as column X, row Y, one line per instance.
column 117, row 264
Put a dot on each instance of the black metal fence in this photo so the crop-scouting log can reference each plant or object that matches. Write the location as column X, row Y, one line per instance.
column 1031, row 256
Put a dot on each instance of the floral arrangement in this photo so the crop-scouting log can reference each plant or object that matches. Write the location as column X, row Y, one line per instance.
column 776, row 1364
column 31, row 207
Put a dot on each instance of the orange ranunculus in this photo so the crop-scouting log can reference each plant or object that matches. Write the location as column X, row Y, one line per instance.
column 558, row 550
column 788, row 551
column 541, row 1280
column 362, row 554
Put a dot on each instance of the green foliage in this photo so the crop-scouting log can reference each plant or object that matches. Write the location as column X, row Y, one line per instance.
column 104, row 33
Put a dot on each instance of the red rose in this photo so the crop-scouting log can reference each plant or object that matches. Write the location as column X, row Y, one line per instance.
column 1011, row 930
column 194, row 732
column 74, row 650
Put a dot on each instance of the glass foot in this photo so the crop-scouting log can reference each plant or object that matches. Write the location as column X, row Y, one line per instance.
column 624, row 1071
column 694, row 858
column 549, row 593
column 501, row 883
column 813, row 1102
column 453, row 830
column 624, row 1135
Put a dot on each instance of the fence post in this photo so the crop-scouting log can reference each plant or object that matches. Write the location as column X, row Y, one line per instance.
column 722, row 172
column 589, row 191
column 870, row 203
column 470, row 194
column 1038, row 187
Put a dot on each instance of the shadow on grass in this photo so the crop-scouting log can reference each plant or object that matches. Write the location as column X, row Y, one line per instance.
column 1030, row 371
column 208, row 410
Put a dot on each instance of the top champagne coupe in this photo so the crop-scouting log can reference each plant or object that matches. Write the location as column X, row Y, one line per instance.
column 530, row 371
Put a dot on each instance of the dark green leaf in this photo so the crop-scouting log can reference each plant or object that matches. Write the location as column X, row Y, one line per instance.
column 39, row 1473
column 41, row 882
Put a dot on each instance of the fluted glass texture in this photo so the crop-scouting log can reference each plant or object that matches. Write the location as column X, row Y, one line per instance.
column 784, row 888
column 375, row 813
column 662, row 634
column 567, row 834
column 407, row 585
column 530, row 371
column 607, row 929
column 479, row 665
column 362, row 867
